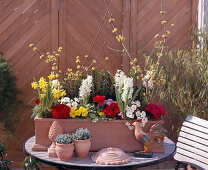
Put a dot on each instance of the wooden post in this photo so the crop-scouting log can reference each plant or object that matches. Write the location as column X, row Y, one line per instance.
column 133, row 28
column 62, row 33
column 126, row 25
column 194, row 11
column 54, row 24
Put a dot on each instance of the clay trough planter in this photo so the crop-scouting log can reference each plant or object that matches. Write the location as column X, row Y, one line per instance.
column 104, row 134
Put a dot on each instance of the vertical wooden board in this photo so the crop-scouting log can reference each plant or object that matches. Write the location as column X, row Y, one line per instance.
column 126, row 29
column 133, row 27
column 54, row 24
column 62, row 62
column 194, row 11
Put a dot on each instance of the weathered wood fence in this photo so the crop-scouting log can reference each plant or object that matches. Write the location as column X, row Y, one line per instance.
column 73, row 25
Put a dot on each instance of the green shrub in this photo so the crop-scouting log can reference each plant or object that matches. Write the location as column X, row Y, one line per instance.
column 8, row 96
column 186, row 75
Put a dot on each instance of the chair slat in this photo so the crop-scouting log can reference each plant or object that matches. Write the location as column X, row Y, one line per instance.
column 193, row 138
column 192, row 155
column 197, row 120
column 196, row 127
column 193, row 144
column 194, row 132
column 186, row 159
column 192, row 149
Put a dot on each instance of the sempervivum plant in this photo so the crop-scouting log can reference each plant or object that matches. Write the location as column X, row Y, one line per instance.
column 64, row 139
column 81, row 134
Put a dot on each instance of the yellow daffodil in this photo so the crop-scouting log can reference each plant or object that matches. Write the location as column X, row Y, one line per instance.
column 78, row 66
column 106, row 58
column 51, row 76
column 123, row 50
column 42, row 95
column 34, row 85
column 94, row 61
column 42, row 83
column 167, row 32
column 172, row 25
column 31, row 45
column 135, row 60
column 93, row 68
column 56, row 93
column 86, row 56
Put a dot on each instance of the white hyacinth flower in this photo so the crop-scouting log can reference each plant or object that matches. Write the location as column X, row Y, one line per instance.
column 127, row 86
column 85, row 88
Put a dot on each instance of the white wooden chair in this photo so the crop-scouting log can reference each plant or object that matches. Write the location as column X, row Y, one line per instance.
column 192, row 145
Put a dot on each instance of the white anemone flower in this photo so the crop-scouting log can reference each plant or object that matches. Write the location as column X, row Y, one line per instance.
column 143, row 114
column 137, row 103
column 74, row 104
column 55, row 83
column 133, row 107
column 148, row 79
column 130, row 115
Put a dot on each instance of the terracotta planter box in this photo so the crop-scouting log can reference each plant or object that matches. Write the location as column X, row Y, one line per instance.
column 104, row 134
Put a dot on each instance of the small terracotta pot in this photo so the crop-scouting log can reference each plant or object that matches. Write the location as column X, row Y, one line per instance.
column 82, row 147
column 64, row 151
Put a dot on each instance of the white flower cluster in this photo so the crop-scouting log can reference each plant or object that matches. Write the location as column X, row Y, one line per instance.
column 85, row 88
column 70, row 102
column 124, row 85
column 134, row 110
column 142, row 116
column 148, row 79
column 130, row 110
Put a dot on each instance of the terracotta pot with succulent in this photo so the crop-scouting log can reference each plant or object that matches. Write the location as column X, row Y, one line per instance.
column 82, row 142
column 64, row 147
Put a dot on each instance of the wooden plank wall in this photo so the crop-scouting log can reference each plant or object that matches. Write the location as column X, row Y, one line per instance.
column 74, row 25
